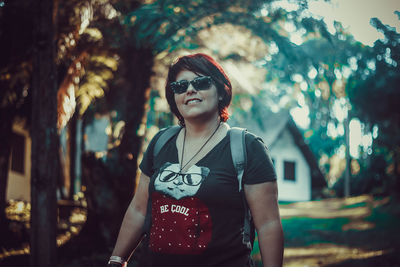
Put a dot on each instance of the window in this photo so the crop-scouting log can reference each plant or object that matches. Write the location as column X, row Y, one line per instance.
column 289, row 171
column 18, row 153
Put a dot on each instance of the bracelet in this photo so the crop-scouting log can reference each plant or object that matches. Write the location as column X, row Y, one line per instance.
column 118, row 260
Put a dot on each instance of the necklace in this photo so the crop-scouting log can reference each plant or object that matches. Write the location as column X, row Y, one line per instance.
column 183, row 148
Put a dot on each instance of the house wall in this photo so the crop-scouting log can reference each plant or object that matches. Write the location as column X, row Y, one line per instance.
column 286, row 149
column 18, row 187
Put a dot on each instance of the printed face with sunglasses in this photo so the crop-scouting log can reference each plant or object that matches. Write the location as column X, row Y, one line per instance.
column 178, row 185
column 195, row 95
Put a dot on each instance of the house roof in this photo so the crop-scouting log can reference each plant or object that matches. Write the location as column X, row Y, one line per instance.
column 317, row 178
column 272, row 126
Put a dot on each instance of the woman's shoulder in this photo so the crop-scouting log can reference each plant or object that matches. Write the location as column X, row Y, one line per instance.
column 252, row 140
column 252, row 137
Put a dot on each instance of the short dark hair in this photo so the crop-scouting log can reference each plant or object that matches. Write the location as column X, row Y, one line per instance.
column 201, row 64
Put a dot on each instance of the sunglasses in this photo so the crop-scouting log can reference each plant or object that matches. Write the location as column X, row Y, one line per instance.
column 199, row 83
column 192, row 179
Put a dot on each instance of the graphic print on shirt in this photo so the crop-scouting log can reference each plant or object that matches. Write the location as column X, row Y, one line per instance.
column 176, row 185
column 181, row 223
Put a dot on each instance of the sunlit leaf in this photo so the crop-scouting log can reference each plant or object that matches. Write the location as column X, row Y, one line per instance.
column 93, row 33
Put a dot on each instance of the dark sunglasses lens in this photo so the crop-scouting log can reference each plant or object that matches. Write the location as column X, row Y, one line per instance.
column 168, row 177
column 192, row 179
column 202, row 83
column 179, row 87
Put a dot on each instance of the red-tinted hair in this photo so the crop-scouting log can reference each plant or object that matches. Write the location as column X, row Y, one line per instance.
column 201, row 64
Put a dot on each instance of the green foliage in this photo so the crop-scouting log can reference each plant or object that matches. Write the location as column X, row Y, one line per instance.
column 374, row 91
column 168, row 25
column 94, row 83
column 329, row 60
column 321, row 143
column 374, row 88
column 386, row 216
column 312, row 25
column 302, row 231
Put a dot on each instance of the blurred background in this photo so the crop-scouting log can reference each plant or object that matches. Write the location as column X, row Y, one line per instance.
column 317, row 80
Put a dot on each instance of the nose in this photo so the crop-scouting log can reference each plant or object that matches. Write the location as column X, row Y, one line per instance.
column 178, row 180
column 191, row 89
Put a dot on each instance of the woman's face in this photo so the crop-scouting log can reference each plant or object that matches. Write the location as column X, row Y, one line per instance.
column 193, row 104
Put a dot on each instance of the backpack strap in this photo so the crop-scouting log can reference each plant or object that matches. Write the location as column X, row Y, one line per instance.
column 165, row 136
column 238, row 150
column 239, row 158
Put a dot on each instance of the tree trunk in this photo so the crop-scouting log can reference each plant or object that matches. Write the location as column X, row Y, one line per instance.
column 72, row 154
column 44, row 170
column 6, row 119
column 138, row 65
column 110, row 185
column 347, row 174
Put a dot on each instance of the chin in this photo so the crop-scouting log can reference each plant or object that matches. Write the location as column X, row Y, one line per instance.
column 200, row 115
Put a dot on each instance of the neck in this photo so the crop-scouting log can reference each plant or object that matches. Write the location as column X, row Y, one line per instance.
column 201, row 129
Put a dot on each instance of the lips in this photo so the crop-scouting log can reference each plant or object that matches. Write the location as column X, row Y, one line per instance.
column 193, row 100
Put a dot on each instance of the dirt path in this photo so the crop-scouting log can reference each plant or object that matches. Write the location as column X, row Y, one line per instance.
column 357, row 231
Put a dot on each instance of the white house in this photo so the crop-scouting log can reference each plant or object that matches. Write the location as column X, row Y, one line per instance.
column 299, row 177
column 19, row 170
column 19, row 174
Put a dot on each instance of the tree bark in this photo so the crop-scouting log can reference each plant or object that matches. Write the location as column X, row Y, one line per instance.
column 347, row 174
column 44, row 170
column 72, row 154
column 116, row 176
column 138, row 65
column 6, row 119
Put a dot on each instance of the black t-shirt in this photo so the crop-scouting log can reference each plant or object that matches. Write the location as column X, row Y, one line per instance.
column 196, row 219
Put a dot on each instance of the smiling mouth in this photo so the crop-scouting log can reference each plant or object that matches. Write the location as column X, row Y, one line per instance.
column 194, row 100
column 175, row 188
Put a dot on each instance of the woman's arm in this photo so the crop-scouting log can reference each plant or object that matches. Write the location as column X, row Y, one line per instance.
column 131, row 229
column 263, row 203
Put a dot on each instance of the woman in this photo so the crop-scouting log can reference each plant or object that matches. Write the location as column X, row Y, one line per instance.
column 187, row 204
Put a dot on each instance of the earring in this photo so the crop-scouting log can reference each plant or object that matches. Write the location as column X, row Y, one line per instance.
column 220, row 98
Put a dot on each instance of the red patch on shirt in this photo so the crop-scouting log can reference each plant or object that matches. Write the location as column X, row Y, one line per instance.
column 179, row 226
